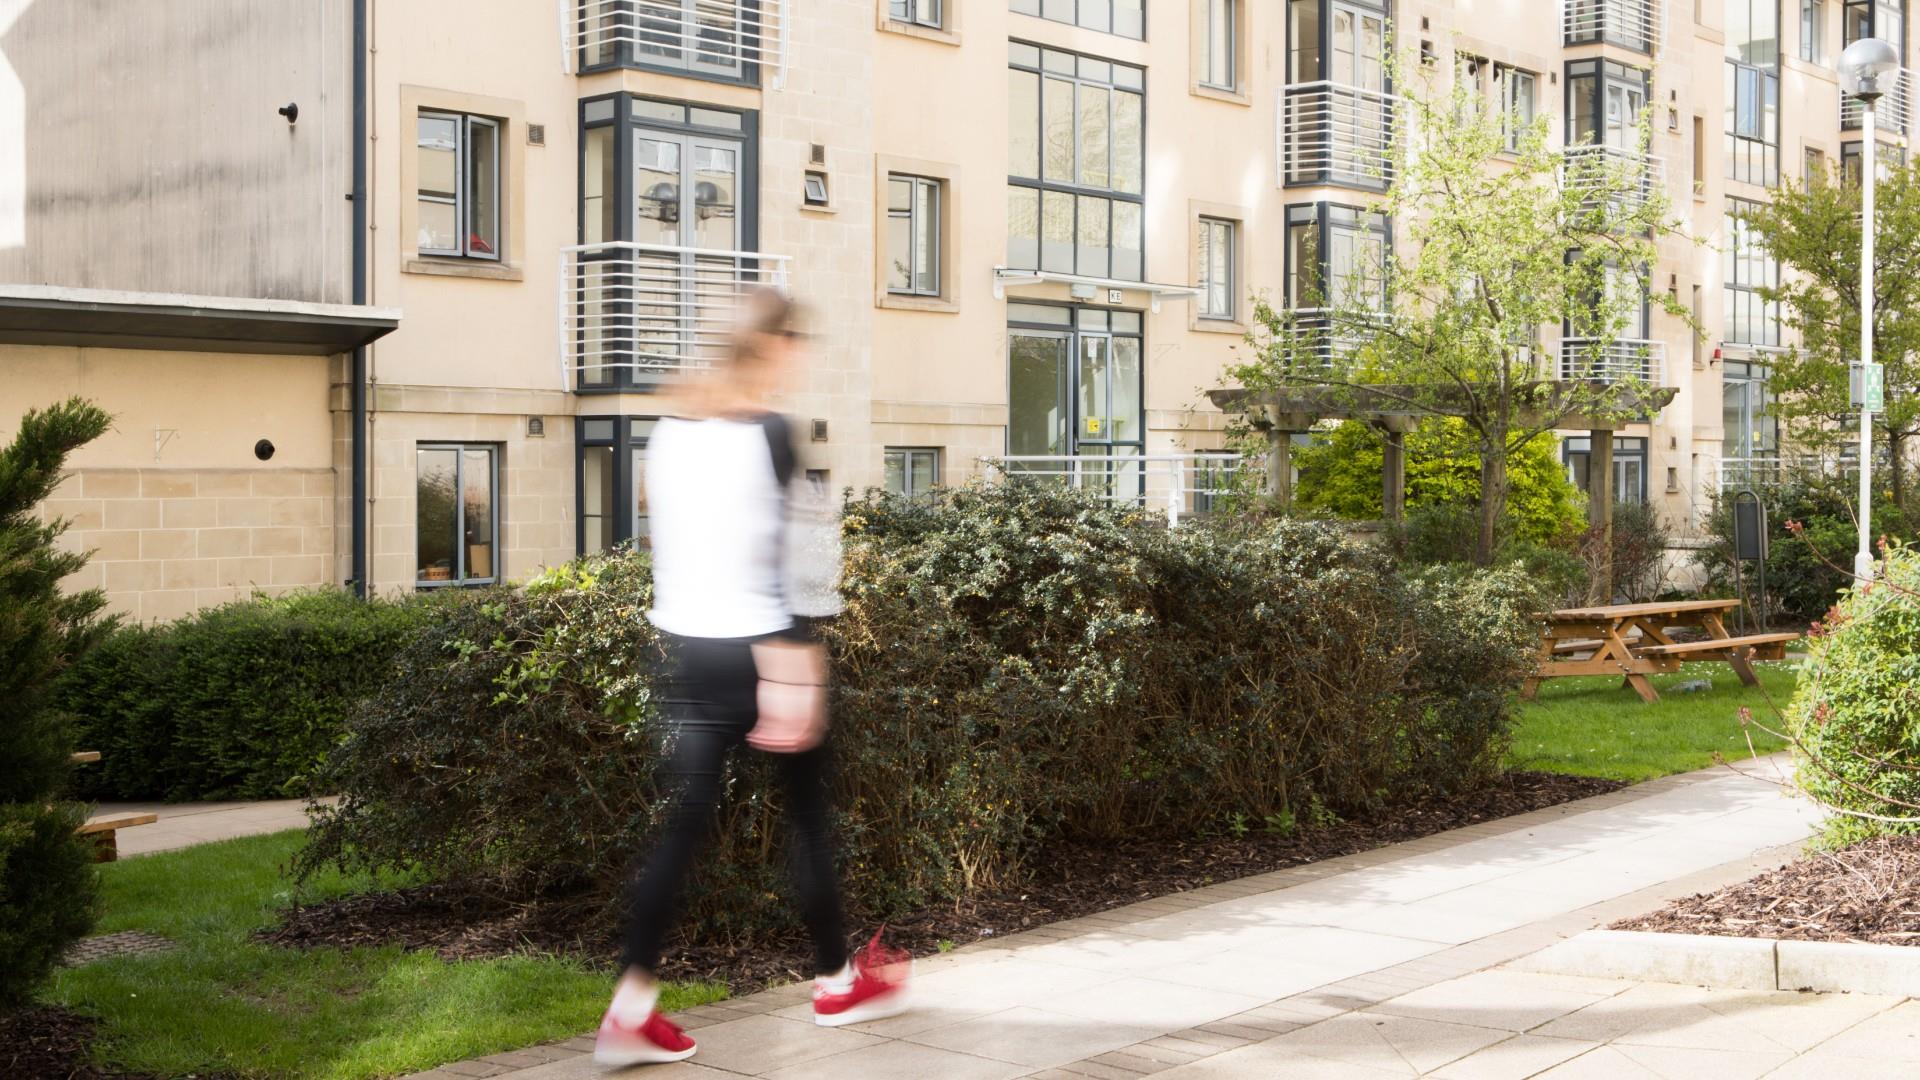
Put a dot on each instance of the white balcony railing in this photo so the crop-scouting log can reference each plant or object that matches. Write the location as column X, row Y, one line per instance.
column 1767, row 470
column 1630, row 24
column 652, row 310
column 1318, row 341
column 1613, row 360
column 1636, row 176
column 715, row 37
column 1180, row 485
column 1892, row 114
column 1333, row 133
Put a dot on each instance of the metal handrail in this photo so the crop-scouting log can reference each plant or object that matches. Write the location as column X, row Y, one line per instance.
column 1616, row 359
column 714, row 33
column 1330, row 129
column 1182, row 485
column 1893, row 112
column 1632, row 24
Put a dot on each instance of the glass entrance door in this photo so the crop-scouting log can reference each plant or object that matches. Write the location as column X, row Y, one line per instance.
column 1075, row 392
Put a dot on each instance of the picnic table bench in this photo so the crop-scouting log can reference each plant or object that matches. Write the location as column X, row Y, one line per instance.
column 105, row 830
column 1635, row 641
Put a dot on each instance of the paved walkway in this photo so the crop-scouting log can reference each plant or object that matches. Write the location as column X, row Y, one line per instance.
column 184, row 824
column 1383, row 964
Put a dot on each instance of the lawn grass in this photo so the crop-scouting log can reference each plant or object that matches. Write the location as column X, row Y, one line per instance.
column 1596, row 727
column 223, row 1003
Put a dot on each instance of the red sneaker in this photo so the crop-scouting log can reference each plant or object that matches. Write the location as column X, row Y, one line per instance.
column 879, row 988
column 655, row 1040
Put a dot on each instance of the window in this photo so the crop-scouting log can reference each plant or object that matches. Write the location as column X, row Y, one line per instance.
column 1222, row 36
column 1127, row 18
column 1747, row 267
column 1813, row 31
column 1752, row 122
column 1747, row 431
column 1885, row 159
column 1515, row 90
column 918, row 12
column 1629, row 466
column 1076, row 163
column 912, row 471
column 1884, row 19
column 913, row 235
column 1474, row 75
column 457, row 490
column 1076, row 388
column 676, row 184
column 1336, row 257
column 459, row 185
column 1699, row 155
column 1605, row 104
column 611, row 490
column 1219, row 298
column 1337, row 114
column 1814, row 169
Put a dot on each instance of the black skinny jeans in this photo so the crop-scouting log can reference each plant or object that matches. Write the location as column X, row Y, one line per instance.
column 710, row 706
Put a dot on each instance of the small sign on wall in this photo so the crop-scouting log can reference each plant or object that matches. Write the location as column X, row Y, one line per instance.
column 1113, row 296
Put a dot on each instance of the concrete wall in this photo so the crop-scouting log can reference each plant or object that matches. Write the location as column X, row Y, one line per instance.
column 154, row 159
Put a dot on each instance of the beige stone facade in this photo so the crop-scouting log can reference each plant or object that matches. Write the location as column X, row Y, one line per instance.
column 596, row 129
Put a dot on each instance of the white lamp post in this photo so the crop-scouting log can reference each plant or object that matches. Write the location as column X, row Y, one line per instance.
column 1867, row 70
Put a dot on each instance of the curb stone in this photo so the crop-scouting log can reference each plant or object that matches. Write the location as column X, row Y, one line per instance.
column 1735, row 963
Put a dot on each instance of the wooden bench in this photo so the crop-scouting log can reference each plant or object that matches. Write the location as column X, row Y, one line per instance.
column 1580, row 645
column 1738, row 652
column 85, row 757
column 107, row 849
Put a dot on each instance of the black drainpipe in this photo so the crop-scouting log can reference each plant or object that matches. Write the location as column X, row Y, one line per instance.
column 359, row 388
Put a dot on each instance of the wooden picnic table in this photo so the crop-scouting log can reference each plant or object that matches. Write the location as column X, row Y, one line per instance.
column 1636, row 640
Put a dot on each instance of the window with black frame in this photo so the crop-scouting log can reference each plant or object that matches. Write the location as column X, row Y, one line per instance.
column 456, row 519
column 1884, row 19
column 1753, row 91
column 1748, row 427
column 1337, row 114
column 1886, row 158
column 1076, row 388
column 1076, row 164
column 611, row 481
column 1123, row 18
column 1629, row 466
column 668, row 222
column 1746, row 268
column 458, row 169
column 1336, row 257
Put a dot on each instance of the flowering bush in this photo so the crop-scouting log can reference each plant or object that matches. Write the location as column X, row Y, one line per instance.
column 1016, row 665
column 1855, row 717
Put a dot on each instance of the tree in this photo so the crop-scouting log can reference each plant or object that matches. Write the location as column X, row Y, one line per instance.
column 1493, row 241
column 1813, row 229
column 46, row 877
column 1342, row 476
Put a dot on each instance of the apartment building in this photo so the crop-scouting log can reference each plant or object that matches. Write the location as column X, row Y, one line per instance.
column 1031, row 232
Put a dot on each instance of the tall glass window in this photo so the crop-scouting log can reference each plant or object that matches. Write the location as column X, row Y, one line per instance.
column 1220, row 44
column 1336, row 257
column 1125, row 18
column 612, row 477
column 1753, row 91
column 1338, row 120
column 1629, row 466
column 1747, row 267
column 456, row 528
column 1075, row 389
column 1076, row 164
column 1813, row 31
column 1747, row 429
column 1605, row 104
column 1214, row 244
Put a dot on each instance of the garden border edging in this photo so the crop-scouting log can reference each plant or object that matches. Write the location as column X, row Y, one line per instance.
column 1734, row 963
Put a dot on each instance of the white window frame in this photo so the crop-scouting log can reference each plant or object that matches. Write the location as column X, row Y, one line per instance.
column 906, row 455
column 1212, row 11
column 1211, row 228
column 464, row 125
column 936, row 204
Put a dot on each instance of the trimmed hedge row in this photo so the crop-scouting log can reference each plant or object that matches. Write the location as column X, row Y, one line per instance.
column 239, row 701
column 1017, row 665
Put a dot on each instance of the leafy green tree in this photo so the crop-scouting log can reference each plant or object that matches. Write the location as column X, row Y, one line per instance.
column 1492, row 242
column 46, row 877
column 1341, row 475
column 1813, row 229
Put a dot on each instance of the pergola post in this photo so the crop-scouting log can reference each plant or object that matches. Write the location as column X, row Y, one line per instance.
column 1393, row 469
column 1600, row 509
column 1281, row 427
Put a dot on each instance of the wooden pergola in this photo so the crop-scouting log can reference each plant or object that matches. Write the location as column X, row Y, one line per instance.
column 1285, row 412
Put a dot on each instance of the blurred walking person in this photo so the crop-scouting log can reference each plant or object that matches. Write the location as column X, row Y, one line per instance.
column 744, row 564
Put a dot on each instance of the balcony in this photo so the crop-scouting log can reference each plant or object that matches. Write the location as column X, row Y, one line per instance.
column 1317, row 342
column 1630, row 24
column 1336, row 134
column 636, row 313
column 1593, row 168
column 1893, row 114
column 1178, row 485
column 1613, row 360
column 723, row 38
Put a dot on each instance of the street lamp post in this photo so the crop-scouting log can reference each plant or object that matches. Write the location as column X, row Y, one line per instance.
column 1867, row 68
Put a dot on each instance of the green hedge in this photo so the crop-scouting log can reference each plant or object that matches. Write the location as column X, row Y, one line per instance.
column 1016, row 665
column 1807, row 568
column 238, row 701
column 1856, row 712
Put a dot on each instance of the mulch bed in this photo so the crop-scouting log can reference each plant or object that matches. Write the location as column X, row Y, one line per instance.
column 46, row 1043
column 460, row 921
column 1866, row 892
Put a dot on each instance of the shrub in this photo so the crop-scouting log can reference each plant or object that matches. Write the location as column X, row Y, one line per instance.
column 1637, row 553
column 1856, row 713
column 1807, row 569
column 46, row 880
column 1017, row 665
column 1341, row 475
column 238, row 701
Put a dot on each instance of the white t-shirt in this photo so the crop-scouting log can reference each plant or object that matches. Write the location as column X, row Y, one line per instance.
column 723, row 541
